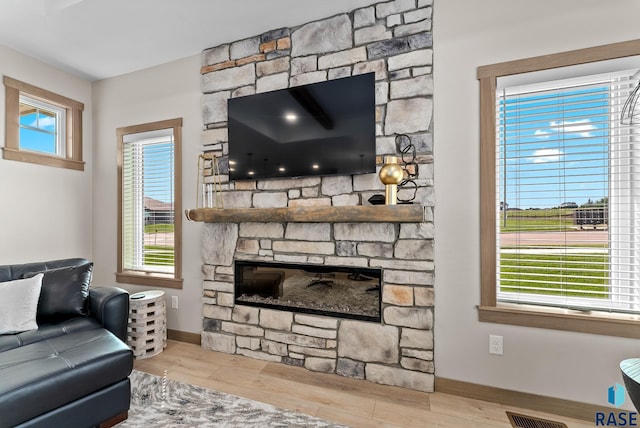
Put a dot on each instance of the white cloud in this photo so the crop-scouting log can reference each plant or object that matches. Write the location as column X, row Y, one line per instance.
column 546, row 155
column 44, row 122
column 583, row 127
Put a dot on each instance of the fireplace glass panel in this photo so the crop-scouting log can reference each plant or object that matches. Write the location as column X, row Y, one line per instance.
column 340, row 291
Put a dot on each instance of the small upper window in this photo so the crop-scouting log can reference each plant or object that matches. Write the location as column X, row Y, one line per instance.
column 42, row 127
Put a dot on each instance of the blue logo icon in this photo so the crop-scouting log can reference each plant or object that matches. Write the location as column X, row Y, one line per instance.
column 616, row 395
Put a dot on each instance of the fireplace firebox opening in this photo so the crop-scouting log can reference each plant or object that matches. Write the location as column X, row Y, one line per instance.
column 339, row 291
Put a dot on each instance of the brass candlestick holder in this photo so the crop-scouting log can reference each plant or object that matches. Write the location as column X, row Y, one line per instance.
column 391, row 175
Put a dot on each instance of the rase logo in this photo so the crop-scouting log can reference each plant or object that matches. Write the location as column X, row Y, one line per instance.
column 616, row 396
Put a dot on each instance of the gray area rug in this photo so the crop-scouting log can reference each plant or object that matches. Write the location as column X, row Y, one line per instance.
column 160, row 402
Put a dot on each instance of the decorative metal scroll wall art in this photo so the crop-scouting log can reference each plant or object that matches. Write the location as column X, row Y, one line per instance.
column 631, row 110
column 407, row 189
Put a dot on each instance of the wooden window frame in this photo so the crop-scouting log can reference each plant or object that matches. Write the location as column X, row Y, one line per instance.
column 153, row 279
column 73, row 145
column 490, row 310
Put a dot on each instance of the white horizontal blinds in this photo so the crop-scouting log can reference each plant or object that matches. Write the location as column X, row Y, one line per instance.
column 148, row 202
column 568, row 213
column 132, row 197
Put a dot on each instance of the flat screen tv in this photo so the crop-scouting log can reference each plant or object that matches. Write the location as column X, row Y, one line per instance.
column 325, row 128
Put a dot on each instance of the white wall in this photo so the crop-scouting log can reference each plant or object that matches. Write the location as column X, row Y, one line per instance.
column 45, row 212
column 164, row 92
column 468, row 34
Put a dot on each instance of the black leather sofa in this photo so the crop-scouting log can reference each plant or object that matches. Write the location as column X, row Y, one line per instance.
column 73, row 370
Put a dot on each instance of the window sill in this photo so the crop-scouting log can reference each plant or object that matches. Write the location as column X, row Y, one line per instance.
column 148, row 279
column 42, row 159
column 558, row 319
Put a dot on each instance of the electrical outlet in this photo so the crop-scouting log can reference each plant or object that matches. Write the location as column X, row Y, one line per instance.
column 495, row 345
column 174, row 302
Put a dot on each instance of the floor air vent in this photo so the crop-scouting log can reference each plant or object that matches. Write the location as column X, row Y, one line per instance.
column 524, row 421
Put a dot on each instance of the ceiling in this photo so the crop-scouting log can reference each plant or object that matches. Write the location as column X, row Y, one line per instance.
column 98, row 39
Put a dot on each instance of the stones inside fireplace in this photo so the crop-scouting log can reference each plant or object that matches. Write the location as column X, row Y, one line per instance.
column 339, row 291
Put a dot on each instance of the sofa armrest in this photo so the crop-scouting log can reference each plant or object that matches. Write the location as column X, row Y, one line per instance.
column 110, row 306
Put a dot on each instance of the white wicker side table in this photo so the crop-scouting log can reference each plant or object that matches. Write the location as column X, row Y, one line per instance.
column 147, row 332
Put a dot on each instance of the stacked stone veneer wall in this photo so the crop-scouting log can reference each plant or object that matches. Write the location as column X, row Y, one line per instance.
column 392, row 39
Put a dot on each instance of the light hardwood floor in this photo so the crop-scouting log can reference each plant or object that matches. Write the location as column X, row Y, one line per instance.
column 351, row 402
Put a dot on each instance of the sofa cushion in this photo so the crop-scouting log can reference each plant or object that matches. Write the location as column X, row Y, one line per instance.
column 48, row 331
column 11, row 272
column 52, row 373
column 64, row 292
column 18, row 304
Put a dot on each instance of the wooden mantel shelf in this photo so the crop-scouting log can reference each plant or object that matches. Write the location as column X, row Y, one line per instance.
column 410, row 213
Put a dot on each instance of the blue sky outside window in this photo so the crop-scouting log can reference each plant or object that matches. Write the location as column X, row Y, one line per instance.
column 159, row 171
column 41, row 128
column 553, row 147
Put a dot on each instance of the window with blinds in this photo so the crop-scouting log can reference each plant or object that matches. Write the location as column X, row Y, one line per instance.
column 149, row 219
column 568, row 194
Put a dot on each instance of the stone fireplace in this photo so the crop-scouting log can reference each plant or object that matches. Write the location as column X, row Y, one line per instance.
column 392, row 39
